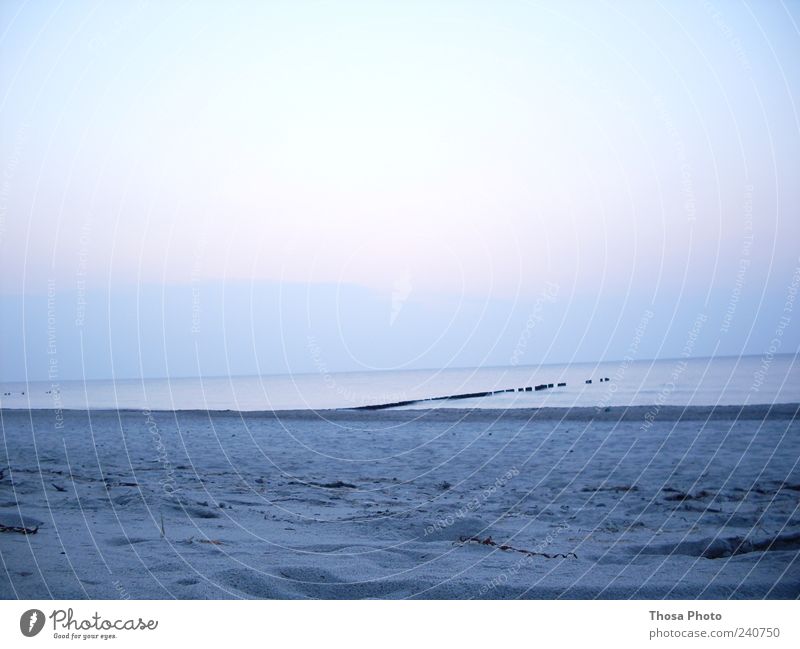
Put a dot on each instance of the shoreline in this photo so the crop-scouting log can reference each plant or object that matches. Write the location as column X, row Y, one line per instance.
column 618, row 413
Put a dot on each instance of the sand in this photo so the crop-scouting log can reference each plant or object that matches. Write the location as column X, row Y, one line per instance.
column 693, row 504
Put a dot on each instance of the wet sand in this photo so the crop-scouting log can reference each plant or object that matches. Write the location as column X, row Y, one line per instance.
column 399, row 504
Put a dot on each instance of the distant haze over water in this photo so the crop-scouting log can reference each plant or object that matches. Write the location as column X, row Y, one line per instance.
column 680, row 382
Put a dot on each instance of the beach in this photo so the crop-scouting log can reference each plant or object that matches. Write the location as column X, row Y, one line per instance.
column 614, row 502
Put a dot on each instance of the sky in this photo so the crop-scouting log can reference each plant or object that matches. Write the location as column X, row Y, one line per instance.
column 223, row 188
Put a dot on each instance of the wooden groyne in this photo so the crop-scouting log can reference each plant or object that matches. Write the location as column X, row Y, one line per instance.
column 396, row 404
column 467, row 395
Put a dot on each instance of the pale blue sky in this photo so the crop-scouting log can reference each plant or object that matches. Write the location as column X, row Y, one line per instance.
column 429, row 168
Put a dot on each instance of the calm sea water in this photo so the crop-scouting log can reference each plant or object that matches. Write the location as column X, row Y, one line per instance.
column 697, row 381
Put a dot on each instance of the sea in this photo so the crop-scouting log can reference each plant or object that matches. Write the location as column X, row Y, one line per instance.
column 743, row 380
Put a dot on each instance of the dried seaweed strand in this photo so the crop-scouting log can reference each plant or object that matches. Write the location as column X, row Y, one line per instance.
column 18, row 530
column 507, row 548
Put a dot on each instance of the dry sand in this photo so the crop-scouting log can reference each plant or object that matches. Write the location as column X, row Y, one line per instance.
column 374, row 504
